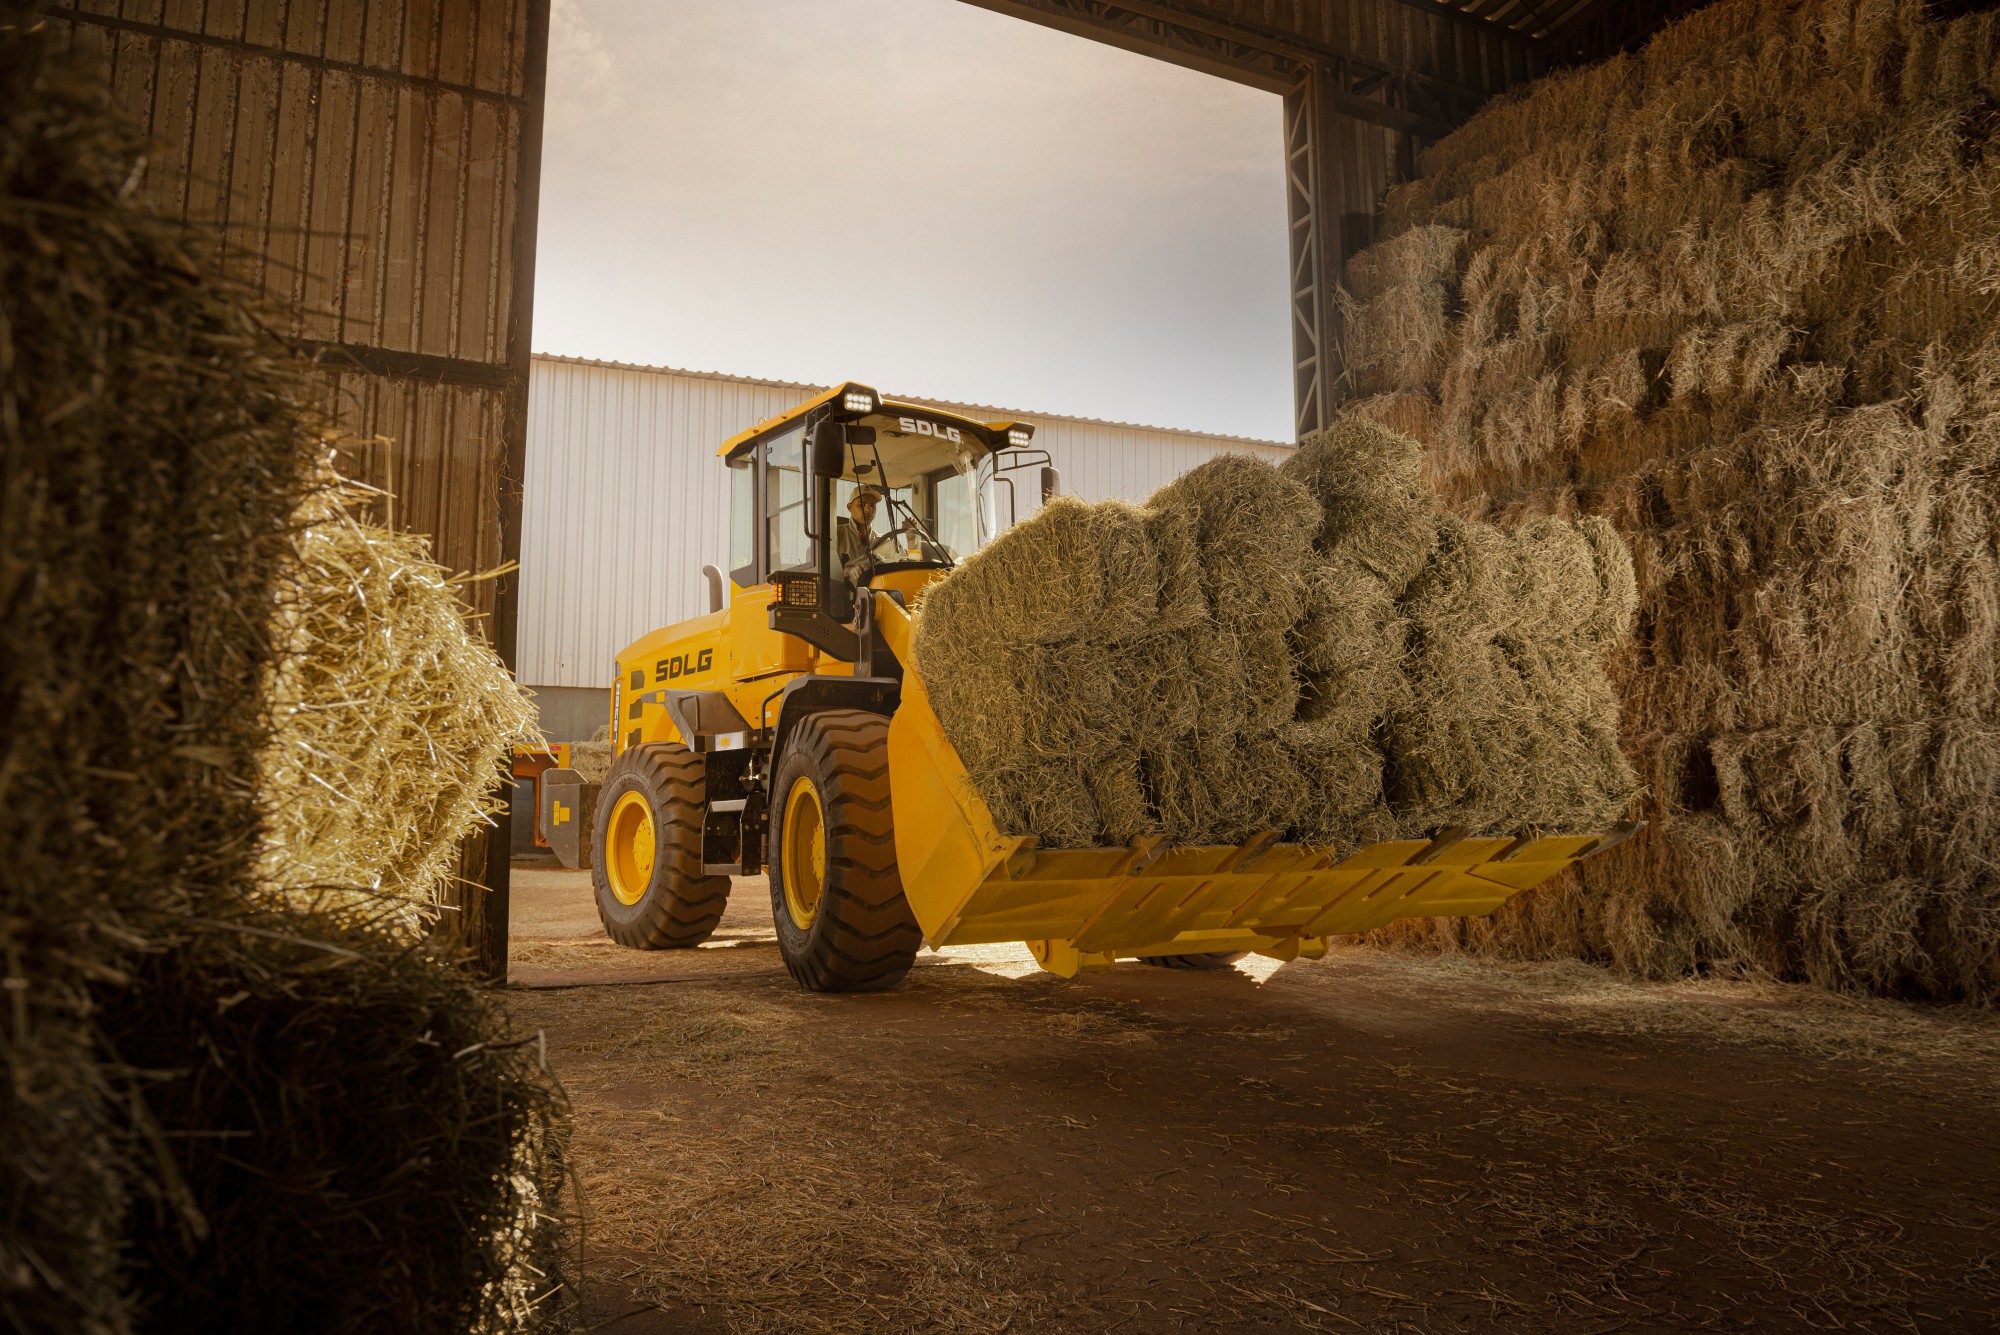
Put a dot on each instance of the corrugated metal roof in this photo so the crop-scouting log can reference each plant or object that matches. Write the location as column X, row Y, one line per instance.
column 972, row 409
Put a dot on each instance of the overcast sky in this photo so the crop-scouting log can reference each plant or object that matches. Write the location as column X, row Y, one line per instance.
column 918, row 194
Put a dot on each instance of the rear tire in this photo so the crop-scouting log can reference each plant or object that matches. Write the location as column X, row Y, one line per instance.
column 651, row 894
column 1208, row 961
column 836, row 896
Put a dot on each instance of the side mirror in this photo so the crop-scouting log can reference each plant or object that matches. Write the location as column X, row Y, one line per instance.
column 829, row 449
column 1051, row 482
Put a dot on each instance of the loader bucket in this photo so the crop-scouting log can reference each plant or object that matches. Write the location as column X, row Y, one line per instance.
column 968, row 882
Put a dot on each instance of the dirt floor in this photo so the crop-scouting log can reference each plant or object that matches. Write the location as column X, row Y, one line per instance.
column 1373, row 1141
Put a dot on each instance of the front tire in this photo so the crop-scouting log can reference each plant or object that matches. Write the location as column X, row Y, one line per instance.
column 651, row 894
column 836, row 896
column 1207, row 961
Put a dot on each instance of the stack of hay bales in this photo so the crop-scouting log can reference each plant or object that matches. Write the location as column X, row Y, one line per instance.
column 592, row 759
column 1313, row 649
column 1740, row 295
column 1085, row 665
column 217, row 1110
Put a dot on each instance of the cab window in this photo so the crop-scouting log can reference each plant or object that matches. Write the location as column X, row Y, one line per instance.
column 957, row 524
column 785, row 501
column 743, row 521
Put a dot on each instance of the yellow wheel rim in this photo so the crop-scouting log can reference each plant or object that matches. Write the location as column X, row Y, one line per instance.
column 629, row 858
column 804, row 853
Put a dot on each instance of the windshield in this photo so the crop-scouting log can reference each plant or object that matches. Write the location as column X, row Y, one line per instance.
column 913, row 492
column 930, row 489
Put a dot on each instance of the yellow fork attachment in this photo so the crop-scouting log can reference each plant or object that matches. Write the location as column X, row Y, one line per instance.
column 1078, row 909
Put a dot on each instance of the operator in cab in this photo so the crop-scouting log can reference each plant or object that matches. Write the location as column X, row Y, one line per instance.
column 854, row 535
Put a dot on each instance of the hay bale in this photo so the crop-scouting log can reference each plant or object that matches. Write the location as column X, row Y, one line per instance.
column 1508, row 719
column 154, row 1130
column 1253, row 527
column 150, row 453
column 1289, row 665
column 361, row 1140
column 390, row 715
column 592, row 759
column 1374, row 505
column 1076, row 570
column 1732, row 296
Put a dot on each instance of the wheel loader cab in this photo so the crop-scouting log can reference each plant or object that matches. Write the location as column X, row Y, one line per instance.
column 850, row 492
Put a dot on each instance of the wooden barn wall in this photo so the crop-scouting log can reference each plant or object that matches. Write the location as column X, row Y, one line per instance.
column 364, row 162
column 372, row 166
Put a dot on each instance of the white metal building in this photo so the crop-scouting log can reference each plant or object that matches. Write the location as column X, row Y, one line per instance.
column 626, row 501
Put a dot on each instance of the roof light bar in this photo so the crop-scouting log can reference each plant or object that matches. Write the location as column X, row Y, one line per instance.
column 1020, row 435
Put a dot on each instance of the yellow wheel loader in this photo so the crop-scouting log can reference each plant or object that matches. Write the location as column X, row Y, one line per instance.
column 785, row 731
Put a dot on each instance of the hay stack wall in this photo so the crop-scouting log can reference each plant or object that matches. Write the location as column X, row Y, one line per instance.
column 1740, row 295
column 218, row 1110
column 149, row 458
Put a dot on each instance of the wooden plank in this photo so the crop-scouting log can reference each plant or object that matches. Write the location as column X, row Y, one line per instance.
column 328, row 244
column 403, row 239
column 211, row 136
column 135, row 58
column 344, row 22
column 478, row 333
column 175, row 74
column 382, row 35
column 458, row 38
column 444, row 248
column 305, row 26
column 255, row 143
column 369, row 202
column 497, row 59
column 224, row 18
column 183, row 15
column 420, row 36
column 291, row 187
column 264, row 22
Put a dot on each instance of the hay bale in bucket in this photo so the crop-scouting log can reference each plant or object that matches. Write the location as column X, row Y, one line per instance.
column 1086, row 716
column 1280, row 664
column 1375, row 507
